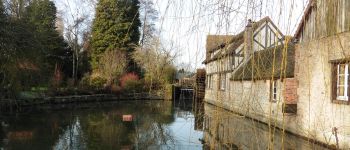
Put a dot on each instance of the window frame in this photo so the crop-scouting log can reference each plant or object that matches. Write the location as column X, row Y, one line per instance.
column 273, row 90
column 335, row 98
column 222, row 81
column 345, row 96
column 209, row 82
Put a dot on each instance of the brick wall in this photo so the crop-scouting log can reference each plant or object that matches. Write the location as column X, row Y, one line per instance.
column 290, row 91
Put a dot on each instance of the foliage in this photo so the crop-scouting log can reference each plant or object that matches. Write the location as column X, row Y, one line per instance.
column 156, row 63
column 2, row 11
column 92, row 82
column 41, row 14
column 116, row 26
column 97, row 82
column 128, row 77
column 112, row 65
column 130, row 83
column 30, row 46
column 133, row 86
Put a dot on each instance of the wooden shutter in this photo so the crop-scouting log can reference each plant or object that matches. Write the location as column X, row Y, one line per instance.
column 348, row 77
column 334, row 82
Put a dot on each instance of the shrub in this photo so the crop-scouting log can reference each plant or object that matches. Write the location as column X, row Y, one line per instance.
column 128, row 77
column 98, row 82
column 133, row 86
column 85, row 81
column 131, row 82
column 115, row 89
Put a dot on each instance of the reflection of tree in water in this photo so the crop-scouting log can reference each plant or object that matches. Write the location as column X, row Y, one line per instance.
column 38, row 131
column 94, row 128
column 2, row 136
column 72, row 137
column 153, row 134
column 106, row 130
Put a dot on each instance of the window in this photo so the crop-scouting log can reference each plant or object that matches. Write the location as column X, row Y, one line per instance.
column 223, row 81
column 341, row 82
column 206, row 123
column 232, row 61
column 209, row 81
column 273, row 91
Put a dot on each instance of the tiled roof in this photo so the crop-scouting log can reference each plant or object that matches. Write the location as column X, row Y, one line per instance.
column 275, row 62
column 230, row 45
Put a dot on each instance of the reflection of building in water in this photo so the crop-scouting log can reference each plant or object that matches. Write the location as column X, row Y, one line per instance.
column 300, row 83
column 231, row 131
column 184, row 99
column 183, row 114
column 198, row 116
column 198, row 98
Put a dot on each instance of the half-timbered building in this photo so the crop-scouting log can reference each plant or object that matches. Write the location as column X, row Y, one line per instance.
column 250, row 67
column 300, row 84
column 322, row 72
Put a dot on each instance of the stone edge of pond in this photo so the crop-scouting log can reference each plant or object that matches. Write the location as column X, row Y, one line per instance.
column 74, row 99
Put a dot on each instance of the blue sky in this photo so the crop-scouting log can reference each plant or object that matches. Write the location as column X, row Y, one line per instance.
column 184, row 24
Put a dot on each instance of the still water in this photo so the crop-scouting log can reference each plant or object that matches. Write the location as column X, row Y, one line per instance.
column 154, row 125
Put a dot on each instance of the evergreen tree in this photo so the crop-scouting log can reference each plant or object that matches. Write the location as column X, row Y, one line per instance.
column 2, row 32
column 2, row 10
column 41, row 15
column 116, row 27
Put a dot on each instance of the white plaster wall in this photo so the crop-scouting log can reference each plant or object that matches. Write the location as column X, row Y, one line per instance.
column 316, row 113
column 251, row 99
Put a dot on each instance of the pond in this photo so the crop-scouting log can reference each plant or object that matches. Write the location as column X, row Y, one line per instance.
column 139, row 125
column 154, row 125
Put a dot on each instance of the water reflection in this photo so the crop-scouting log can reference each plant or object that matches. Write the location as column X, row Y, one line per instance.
column 225, row 130
column 155, row 125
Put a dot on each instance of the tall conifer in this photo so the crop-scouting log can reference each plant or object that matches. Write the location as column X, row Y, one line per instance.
column 116, row 27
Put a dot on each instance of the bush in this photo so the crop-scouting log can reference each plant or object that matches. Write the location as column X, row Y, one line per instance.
column 85, row 81
column 130, row 82
column 115, row 89
column 133, row 86
column 98, row 82
column 127, row 77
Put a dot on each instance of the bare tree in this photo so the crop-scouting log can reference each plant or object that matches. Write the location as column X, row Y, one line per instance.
column 156, row 61
column 148, row 15
column 16, row 7
column 72, row 36
column 112, row 65
column 78, row 18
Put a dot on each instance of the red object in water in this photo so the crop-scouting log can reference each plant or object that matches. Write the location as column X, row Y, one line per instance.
column 127, row 118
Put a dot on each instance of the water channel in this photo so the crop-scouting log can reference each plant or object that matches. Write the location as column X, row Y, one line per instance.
column 148, row 125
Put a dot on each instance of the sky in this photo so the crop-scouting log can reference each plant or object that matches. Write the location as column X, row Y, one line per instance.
column 184, row 24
